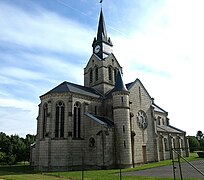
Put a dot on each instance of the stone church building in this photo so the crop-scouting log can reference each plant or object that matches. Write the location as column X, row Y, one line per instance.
column 105, row 123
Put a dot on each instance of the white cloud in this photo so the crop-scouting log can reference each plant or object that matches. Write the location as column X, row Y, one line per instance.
column 162, row 46
column 166, row 54
column 43, row 29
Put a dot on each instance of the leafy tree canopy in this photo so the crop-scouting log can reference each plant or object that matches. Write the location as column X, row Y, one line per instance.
column 14, row 148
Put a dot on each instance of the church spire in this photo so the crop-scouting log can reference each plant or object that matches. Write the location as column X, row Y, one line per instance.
column 102, row 33
column 102, row 43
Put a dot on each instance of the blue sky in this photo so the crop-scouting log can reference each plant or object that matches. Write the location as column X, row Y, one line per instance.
column 43, row 43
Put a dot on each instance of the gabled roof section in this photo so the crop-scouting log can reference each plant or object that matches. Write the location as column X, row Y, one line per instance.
column 130, row 85
column 169, row 129
column 93, row 56
column 100, row 120
column 112, row 56
column 158, row 109
column 74, row 88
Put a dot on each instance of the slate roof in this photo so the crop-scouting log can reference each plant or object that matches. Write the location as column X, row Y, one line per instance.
column 119, row 85
column 74, row 88
column 170, row 129
column 102, row 33
column 129, row 85
column 100, row 120
column 106, row 120
column 158, row 109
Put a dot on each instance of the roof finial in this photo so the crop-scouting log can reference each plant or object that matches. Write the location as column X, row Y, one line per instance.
column 101, row 2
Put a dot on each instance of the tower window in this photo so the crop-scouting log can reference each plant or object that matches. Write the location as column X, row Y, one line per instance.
column 77, row 120
column 96, row 73
column 122, row 99
column 91, row 76
column 115, row 73
column 109, row 73
column 59, row 121
column 124, row 144
column 45, row 112
column 123, row 129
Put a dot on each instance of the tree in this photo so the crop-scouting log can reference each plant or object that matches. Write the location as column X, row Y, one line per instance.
column 5, row 144
column 194, row 145
column 202, row 145
column 30, row 139
column 199, row 135
column 14, row 148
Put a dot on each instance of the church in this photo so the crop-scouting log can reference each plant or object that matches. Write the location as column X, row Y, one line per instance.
column 105, row 123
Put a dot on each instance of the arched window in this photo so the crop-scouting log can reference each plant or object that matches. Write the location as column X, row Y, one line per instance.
column 158, row 120
column 77, row 120
column 115, row 73
column 91, row 76
column 174, row 143
column 110, row 73
column 96, row 73
column 166, row 146
column 59, row 121
column 45, row 112
column 182, row 146
column 92, row 142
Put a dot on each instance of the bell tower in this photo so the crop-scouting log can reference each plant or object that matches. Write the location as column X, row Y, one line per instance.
column 100, row 71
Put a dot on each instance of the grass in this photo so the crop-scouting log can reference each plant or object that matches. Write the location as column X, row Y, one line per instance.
column 25, row 172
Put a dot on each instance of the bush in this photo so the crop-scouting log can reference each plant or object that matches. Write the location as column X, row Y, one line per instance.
column 202, row 145
column 194, row 145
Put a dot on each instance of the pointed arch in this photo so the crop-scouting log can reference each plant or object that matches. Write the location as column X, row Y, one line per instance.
column 91, row 76
column 59, row 119
column 96, row 73
column 110, row 74
column 45, row 112
column 77, row 120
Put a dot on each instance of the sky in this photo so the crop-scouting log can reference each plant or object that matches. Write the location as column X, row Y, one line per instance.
column 46, row 42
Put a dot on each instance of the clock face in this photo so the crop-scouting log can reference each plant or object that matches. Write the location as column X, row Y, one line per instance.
column 142, row 119
column 97, row 49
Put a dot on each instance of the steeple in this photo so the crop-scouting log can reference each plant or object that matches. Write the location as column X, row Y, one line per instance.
column 102, row 44
column 102, row 33
column 119, row 85
column 102, row 67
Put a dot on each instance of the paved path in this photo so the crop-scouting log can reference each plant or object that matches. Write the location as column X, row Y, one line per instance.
column 167, row 171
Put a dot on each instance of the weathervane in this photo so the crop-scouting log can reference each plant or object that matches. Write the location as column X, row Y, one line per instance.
column 101, row 3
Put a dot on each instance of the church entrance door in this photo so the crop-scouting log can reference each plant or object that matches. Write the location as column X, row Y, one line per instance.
column 144, row 152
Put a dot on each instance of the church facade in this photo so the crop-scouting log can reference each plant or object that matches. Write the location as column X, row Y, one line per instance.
column 105, row 123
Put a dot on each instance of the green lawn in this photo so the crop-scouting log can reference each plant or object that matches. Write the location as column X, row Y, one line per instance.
column 25, row 172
